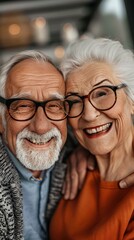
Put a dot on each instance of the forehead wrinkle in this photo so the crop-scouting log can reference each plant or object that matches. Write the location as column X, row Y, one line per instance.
column 90, row 75
column 53, row 76
column 39, row 79
column 38, row 74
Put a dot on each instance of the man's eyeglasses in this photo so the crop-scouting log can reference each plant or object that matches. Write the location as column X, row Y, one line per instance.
column 21, row 109
column 102, row 98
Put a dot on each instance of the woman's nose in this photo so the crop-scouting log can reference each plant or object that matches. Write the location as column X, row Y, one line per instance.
column 90, row 113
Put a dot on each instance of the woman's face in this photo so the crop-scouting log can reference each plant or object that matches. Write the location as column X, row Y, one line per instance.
column 100, row 131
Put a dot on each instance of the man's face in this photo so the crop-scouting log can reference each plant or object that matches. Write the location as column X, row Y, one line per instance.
column 38, row 141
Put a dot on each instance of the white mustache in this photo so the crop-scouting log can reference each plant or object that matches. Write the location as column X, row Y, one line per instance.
column 39, row 139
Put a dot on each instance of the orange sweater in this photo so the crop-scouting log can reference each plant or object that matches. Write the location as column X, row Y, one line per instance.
column 101, row 211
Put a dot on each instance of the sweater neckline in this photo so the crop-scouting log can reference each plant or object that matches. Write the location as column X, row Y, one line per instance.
column 107, row 184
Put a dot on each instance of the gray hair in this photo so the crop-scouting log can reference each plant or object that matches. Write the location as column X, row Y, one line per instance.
column 27, row 54
column 102, row 50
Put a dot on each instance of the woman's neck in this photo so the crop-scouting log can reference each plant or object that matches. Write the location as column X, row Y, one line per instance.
column 117, row 164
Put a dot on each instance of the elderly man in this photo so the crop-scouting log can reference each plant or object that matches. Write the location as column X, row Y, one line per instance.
column 33, row 132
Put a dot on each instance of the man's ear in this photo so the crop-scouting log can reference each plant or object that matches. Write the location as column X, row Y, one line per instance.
column 1, row 126
column 132, row 108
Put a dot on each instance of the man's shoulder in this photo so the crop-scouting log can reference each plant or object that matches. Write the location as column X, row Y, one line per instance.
column 10, row 197
column 8, row 172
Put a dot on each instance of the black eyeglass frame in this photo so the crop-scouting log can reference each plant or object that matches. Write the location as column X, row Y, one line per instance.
column 114, row 88
column 42, row 104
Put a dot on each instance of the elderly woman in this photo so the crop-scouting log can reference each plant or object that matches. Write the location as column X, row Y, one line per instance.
column 100, row 94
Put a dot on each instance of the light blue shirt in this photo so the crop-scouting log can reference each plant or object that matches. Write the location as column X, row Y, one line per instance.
column 35, row 194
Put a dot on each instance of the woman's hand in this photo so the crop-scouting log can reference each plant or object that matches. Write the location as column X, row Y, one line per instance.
column 77, row 165
column 127, row 182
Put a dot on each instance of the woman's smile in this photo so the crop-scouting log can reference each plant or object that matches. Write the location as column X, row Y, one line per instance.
column 98, row 130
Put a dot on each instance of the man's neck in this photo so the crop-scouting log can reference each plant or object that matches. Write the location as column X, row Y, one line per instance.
column 36, row 173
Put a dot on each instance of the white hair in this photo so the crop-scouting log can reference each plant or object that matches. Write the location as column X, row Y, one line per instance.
column 27, row 54
column 102, row 50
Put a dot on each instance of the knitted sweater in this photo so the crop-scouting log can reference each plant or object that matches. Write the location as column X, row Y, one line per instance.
column 11, row 223
column 11, row 214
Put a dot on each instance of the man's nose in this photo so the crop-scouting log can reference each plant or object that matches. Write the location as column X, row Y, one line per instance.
column 90, row 113
column 40, row 123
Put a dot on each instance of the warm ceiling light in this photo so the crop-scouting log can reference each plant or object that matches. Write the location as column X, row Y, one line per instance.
column 67, row 26
column 59, row 52
column 69, row 33
column 14, row 29
column 40, row 30
column 40, row 22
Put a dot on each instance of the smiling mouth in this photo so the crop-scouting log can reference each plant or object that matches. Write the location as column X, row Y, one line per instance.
column 98, row 130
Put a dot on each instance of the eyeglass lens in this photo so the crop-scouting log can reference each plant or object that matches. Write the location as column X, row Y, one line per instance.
column 102, row 98
column 74, row 105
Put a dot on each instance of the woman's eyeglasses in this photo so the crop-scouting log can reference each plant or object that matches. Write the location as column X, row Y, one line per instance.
column 102, row 98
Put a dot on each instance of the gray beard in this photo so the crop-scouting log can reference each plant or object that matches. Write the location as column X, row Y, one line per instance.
column 38, row 159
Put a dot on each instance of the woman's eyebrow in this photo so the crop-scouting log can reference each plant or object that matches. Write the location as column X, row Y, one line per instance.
column 104, row 80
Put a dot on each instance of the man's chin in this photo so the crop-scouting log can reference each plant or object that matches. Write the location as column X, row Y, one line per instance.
column 38, row 160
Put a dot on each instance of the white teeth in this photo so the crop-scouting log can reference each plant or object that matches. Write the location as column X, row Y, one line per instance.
column 98, row 129
column 37, row 141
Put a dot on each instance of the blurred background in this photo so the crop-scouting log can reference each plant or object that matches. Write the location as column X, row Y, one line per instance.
column 50, row 25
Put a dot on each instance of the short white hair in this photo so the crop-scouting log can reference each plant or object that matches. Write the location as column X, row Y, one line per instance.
column 27, row 54
column 102, row 50
column 17, row 58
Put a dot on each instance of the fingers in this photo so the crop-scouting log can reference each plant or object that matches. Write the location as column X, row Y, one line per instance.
column 91, row 162
column 70, row 187
column 85, row 161
column 81, row 167
column 127, row 182
column 76, row 173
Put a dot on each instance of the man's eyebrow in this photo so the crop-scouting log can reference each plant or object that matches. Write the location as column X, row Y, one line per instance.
column 21, row 95
column 28, row 95
column 56, row 95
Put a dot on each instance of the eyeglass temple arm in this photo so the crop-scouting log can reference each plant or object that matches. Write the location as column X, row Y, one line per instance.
column 122, row 85
column 2, row 100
